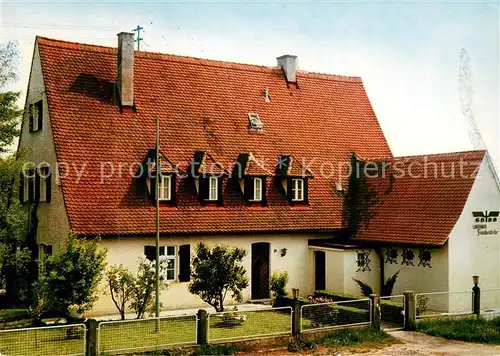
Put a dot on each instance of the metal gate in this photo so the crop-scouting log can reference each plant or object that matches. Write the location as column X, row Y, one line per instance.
column 392, row 312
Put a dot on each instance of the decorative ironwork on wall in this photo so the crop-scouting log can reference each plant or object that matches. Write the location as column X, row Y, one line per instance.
column 363, row 261
column 391, row 255
column 408, row 256
column 425, row 258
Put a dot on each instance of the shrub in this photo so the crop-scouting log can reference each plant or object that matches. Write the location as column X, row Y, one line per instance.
column 72, row 276
column 217, row 272
column 121, row 283
column 278, row 283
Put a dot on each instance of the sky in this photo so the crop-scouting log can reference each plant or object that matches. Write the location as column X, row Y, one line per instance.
column 407, row 53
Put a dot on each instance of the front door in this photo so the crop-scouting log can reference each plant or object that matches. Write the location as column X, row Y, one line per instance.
column 260, row 270
column 319, row 270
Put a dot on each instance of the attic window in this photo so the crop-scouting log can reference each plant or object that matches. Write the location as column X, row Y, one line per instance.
column 255, row 123
column 338, row 187
column 36, row 116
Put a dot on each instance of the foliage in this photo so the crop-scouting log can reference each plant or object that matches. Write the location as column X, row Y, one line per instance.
column 353, row 337
column 14, row 314
column 301, row 345
column 387, row 288
column 422, row 301
column 278, row 283
column 144, row 288
column 471, row 330
column 216, row 272
column 121, row 283
column 72, row 276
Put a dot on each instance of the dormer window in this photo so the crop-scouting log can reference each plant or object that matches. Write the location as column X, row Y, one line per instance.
column 213, row 188
column 165, row 188
column 251, row 175
column 36, row 116
column 297, row 189
column 257, row 189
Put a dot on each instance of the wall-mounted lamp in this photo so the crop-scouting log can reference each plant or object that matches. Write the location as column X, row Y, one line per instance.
column 283, row 252
column 475, row 280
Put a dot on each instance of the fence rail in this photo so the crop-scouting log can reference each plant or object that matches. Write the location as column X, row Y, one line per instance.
column 146, row 334
column 66, row 340
column 443, row 304
column 335, row 314
column 249, row 324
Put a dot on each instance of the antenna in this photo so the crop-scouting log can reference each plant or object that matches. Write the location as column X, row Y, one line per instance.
column 466, row 93
column 139, row 38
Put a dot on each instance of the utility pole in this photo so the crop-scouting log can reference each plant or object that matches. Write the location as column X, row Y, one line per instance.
column 139, row 38
column 157, row 199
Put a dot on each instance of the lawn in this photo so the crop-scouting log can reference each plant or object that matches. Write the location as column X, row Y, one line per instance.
column 42, row 341
column 262, row 322
column 472, row 330
column 142, row 335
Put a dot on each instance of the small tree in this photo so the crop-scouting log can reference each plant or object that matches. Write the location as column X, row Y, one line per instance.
column 144, row 288
column 121, row 283
column 278, row 283
column 216, row 272
column 72, row 275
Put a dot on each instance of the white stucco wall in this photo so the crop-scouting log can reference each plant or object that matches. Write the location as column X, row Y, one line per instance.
column 53, row 224
column 297, row 262
column 471, row 254
column 371, row 276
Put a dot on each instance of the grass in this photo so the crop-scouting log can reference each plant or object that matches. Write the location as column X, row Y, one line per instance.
column 472, row 330
column 355, row 337
column 42, row 341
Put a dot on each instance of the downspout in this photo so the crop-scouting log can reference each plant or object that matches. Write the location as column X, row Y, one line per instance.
column 380, row 254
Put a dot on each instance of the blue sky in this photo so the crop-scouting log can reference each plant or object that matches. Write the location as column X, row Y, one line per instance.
column 407, row 53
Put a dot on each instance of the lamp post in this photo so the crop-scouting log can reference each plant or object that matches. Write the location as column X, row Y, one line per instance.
column 157, row 201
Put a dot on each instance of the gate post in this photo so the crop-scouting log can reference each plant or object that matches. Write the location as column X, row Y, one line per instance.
column 91, row 342
column 410, row 311
column 375, row 311
column 296, row 317
column 476, row 296
column 202, row 330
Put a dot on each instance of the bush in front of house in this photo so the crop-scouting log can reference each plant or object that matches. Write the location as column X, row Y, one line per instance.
column 71, row 277
column 217, row 272
column 278, row 283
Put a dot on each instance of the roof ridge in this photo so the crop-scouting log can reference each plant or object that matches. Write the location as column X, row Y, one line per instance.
column 441, row 154
column 189, row 59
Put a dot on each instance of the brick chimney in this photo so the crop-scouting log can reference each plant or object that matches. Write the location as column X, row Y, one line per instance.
column 289, row 65
column 125, row 74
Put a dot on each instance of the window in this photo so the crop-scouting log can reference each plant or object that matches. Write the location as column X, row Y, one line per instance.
column 170, row 263
column 44, row 184
column 363, row 261
column 44, row 251
column 27, row 186
column 36, row 116
column 255, row 123
column 297, row 189
column 165, row 188
column 408, row 256
column 257, row 189
column 213, row 188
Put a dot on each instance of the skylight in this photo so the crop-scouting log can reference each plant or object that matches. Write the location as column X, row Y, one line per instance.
column 255, row 122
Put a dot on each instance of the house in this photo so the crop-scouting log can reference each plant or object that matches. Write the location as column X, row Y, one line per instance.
column 251, row 156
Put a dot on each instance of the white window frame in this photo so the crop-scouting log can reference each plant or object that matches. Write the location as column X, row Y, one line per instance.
column 298, row 189
column 165, row 180
column 213, row 188
column 43, row 185
column 34, row 113
column 173, row 258
column 257, row 192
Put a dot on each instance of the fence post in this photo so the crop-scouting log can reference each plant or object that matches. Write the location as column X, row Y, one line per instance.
column 296, row 322
column 410, row 311
column 476, row 296
column 91, row 342
column 202, row 332
column 375, row 311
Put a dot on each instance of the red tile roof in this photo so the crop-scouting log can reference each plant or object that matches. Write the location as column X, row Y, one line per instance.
column 203, row 105
column 425, row 203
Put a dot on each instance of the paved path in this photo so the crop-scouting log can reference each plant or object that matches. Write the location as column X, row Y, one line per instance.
column 418, row 344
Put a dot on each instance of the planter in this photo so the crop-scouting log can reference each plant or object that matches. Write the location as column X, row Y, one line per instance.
column 75, row 314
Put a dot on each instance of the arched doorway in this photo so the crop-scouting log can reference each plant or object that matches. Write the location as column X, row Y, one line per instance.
column 260, row 270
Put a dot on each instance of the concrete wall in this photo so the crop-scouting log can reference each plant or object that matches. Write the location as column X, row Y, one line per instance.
column 297, row 262
column 53, row 224
column 473, row 254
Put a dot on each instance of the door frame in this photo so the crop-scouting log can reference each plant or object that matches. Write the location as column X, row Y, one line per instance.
column 255, row 278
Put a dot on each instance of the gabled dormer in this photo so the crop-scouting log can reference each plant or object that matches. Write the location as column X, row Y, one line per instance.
column 207, row 174
column 168, row 178
column 293, row 178
column 251, row 176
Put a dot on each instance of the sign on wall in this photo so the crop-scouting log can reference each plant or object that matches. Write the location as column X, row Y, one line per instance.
column 485, row 222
